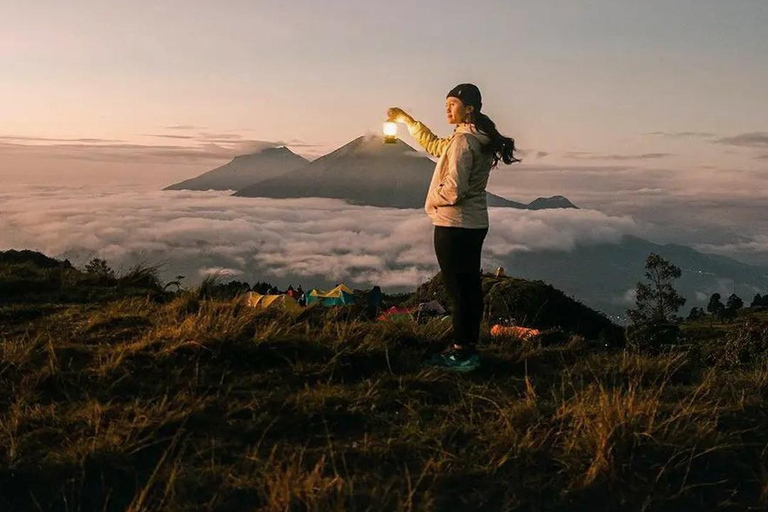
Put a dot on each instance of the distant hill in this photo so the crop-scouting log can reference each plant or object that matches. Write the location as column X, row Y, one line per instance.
column 245, row 170
column 369, row 172
column 542, row 203
column 32, row 277
column 34, row 258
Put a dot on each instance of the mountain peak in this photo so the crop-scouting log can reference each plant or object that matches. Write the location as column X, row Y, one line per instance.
column 269, row 151
column 374, row 145
column 551, row 202
column 245, row 170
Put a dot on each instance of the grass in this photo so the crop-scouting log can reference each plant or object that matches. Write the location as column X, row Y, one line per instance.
column 197, row 404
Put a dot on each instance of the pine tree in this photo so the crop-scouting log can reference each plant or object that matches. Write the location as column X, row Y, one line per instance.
column 657, row 302
column 757, row 301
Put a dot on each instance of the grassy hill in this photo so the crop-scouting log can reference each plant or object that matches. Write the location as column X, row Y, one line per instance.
column 531, row 303
column 153, row 400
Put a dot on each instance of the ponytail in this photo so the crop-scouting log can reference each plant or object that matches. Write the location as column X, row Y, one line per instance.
column 501, row 147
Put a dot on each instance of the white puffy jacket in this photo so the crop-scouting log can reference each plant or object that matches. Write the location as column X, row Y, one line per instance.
column 456, row 196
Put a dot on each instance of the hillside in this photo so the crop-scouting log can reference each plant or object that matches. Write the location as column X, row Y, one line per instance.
column 530, row 303
column 171, row 401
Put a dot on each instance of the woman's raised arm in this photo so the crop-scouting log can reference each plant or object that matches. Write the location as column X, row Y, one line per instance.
column 433, row 144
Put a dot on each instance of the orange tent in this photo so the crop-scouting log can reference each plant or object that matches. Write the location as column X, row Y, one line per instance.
column 514, row 331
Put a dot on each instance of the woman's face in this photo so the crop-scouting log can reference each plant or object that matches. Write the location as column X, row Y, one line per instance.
column 455, row 111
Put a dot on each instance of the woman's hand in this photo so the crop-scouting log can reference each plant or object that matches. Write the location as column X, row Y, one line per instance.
column 399, row 115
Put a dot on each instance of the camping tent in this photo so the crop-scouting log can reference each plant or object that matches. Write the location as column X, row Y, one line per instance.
column 432, row 306
column 407, row 313
column 398, row 313
column 286, row 302
column 339, row 296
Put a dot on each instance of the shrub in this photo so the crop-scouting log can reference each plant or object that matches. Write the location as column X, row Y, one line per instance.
column 746, row 344
column 652, row 337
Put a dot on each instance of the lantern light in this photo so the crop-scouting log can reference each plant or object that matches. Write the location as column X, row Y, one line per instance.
column 390, row 132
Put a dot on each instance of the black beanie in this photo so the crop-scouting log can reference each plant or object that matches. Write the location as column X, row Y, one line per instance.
column 469, row 94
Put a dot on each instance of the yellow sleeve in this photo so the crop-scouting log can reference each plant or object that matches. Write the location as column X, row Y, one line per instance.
column 434, row 145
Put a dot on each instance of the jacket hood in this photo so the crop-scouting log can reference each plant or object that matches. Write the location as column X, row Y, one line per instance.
column 471, row 129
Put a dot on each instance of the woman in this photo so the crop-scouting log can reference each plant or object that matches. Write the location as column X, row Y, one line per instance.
column 456, row 203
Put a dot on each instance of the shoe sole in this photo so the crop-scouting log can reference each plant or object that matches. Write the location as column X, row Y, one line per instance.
column 458, row 369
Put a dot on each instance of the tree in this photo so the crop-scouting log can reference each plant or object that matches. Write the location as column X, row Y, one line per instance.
column 757, row 301
column 734, row 302
column 695, row 313
column 261, row 287
column 657, row 302
column 732, row 307
column 715, row 307
column 100, row 268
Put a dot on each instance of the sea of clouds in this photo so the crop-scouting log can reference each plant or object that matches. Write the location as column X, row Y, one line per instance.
column 311, row 241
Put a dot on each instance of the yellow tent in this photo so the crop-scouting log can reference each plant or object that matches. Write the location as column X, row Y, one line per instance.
column 342, row 287
column 257, row 300
column 338, row 296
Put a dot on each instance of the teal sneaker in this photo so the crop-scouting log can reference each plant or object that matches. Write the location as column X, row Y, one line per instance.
column 455, row 360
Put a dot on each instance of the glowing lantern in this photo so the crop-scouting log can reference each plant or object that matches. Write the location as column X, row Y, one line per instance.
column 390, row 132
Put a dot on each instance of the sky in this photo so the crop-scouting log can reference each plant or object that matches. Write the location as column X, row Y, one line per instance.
column 155, row 91
column 650, row 116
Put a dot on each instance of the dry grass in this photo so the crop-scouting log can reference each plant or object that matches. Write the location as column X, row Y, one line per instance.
column 201, row 404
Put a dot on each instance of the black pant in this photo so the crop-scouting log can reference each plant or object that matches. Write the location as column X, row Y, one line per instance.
column 458, row 253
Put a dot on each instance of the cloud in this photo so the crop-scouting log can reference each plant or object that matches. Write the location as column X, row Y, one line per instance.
column 683, row 135
column 757, row 244
column 682, row 205
column 578, row 155
column 746, row 140
column 202, row 147
column 184, row 127
column 221, row 272
column 142, row 153
column 541, row 154
column 629, row 297
column 45, row 139
column 313, row 241
column 221, row 136
column 169, row 136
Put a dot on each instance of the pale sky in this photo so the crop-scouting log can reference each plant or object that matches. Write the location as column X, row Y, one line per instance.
column 163, row 90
